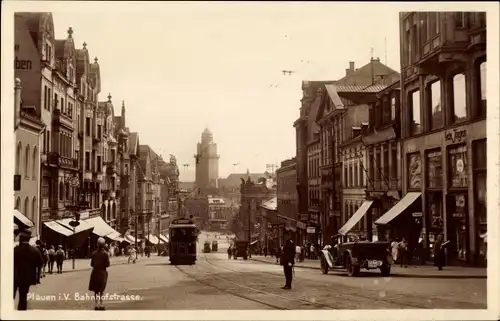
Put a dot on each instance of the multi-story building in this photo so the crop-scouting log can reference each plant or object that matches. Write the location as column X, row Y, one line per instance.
column 135, row 197
column 217, row 213
column 443, row 118
column 287, row 200
column 28, row 130
column 382, row 158
column 169, row 192
column 357, row 88
column 197, row 206
column 207, row 162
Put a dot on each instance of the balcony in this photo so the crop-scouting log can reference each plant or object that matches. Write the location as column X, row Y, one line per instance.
column 98, row 177
column 87, row 176
column 61, row 119
column 54, row 159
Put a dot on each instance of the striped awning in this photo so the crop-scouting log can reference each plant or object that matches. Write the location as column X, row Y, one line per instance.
column 20, row 219
column 163, row 238
column 153, row 239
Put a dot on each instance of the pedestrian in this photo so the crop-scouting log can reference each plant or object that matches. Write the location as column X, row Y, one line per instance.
column 59, row 259
column 131, row 255
column 52, row 258
column 45, row 257
column 439, row 251
column 311, row 252
column 394, row 250
column 229, row 250
column 278, row 254
column 297, row 252
column 403, row 248
column 287, row 260
column 39, row 272
column 27, row 261
column 99, row 275
column 147, row 251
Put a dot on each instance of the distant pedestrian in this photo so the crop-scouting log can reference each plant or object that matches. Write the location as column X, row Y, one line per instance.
column 131, row 255
column 287, row 260
column 40, row 269
column 298, row 250
column 402, row 252
column 59, row 259
column 99, row 275
column 394, row 250
column 52, row 258
column 27, row 261
column 439, row 252
column 278, row 254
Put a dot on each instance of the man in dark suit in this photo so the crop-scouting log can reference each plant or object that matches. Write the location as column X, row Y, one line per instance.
column 287, row 260
column 27, row 261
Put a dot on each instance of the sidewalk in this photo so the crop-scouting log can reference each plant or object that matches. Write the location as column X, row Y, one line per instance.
column 417, row 271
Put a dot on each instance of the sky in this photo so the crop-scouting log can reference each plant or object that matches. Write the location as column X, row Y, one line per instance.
column 180, row 68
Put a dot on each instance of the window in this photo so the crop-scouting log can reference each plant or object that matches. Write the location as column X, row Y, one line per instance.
column 99, row 164
column 63, row 106
column 56, row 101
column 361, row 174
column 394, row 167
column 19, row 157
column 416, row 127
column 351, row 182
column 70, row 109
column 70, row 74
column 46, row 98
column 482, row 88
column 18, row 204
column 33, row 209
column 386, row 162
column 378, row 167
column 371, row 169
column 460, row 20
column 393, row 108
column 27, row 162
column 61, row 191
column 435, row 105
column 49, row 99
column 27, row 207
column 87, row 161
column 386, row 111
column 77, row 157
column 48, row 52
column 459, row 98
column 457, row 165
column 99, row 131
column 49, row 145
column 34, row 163
column 433, row 24
column 434, row 169
column 355, row 170
column 424, row 20
column 87, row 126
column 68, row 190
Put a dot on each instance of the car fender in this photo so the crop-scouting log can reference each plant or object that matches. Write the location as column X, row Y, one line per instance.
column 354, row 260
column 328, row 257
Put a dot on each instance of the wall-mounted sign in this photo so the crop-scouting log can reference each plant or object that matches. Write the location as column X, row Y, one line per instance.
column 460, row 166
column 455, row 135
column 311, row 230
column 417, row 214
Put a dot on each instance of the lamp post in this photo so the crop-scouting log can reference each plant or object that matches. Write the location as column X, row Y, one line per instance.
column 78, row 204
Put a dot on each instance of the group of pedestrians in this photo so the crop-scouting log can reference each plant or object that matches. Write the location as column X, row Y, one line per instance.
column 30, row 263
column 401, row 252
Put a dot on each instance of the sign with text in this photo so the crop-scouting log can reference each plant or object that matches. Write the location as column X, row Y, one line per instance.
column 455, row 135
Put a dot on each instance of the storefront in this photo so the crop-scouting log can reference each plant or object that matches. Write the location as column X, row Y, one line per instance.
column 453, row 189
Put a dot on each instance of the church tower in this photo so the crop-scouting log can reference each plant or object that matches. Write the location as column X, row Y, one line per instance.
column 207, row 161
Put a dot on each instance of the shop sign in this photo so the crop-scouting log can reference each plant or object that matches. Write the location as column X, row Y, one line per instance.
column 301, row 225
column 458, row 215
column 311, row 230
column 417, row 214
column 455, row 135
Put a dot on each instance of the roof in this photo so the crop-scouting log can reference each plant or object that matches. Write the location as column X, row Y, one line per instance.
column 133, row 142
column 234, row 180
column 271, row 204
column 360, row 89
column 374, row 70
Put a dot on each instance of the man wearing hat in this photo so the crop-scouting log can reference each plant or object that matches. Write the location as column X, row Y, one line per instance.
column 27, row 262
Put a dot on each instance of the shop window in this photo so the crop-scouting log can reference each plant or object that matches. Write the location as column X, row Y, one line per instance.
column 459, row 98
column 393, row 108
column 457, row 165
column 415, row 121
column 434, row 169
column 435, row 205
column 435, row 105
column 457, row 210
column 414, row 171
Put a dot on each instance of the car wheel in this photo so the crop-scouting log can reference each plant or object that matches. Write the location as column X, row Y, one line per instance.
column 352, row 270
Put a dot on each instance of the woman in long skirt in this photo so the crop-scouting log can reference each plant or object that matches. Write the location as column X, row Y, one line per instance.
column 99, row 275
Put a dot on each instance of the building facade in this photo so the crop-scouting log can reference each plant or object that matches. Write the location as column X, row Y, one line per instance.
column 443, row 95
column 207, row 162
column 28, row 130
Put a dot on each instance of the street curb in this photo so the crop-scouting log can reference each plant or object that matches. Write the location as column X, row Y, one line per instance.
column 298, row 266
column 120, row 262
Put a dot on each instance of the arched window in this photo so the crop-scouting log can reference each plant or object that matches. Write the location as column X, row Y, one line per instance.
column 67, row 191
column 34, row 163
column 33, row 209
column 27, row 162
column 61, row 191
column 18, row 203
column 27, row 207
column 19, row 158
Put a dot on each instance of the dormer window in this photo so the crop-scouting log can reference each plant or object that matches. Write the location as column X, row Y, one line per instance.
column 71, row 74
column 48, row 52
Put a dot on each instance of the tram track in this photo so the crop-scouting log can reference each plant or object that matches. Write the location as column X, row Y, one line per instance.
column 344, row 296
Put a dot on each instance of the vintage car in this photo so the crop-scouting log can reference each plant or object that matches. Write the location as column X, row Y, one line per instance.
column 206, row 247
column 214, row 246
column 354, row 256
column 240, row 249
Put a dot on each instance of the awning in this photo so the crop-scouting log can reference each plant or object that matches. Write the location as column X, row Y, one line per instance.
column 130, row 239
column 163, row 238
column 153, row 239
column 83, row 226
column 16, row 227
column 355, row 218
column 101, row 228
column 114, row 236
column 254, row 242
column 20, row 219
column 399, row 208
column 58, row 228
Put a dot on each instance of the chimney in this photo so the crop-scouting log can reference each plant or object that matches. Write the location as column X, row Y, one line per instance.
column 122, row 125
column 351, row 68
column 17, row 102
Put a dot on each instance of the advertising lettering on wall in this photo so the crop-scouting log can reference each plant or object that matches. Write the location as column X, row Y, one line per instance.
column 455, row 135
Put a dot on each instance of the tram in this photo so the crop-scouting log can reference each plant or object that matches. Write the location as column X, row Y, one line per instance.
column 183, row 237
